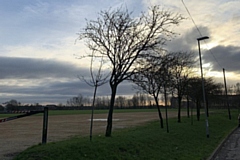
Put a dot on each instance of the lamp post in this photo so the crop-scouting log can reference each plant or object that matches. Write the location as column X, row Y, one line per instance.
column 203, row 88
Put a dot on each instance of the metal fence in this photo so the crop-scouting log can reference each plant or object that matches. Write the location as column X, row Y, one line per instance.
column 45, row 121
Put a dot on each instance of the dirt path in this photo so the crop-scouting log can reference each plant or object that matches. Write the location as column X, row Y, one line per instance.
column 17, row 135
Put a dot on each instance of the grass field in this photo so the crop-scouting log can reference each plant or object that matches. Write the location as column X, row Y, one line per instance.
column 185, row 141
column 73, row 112
column 70, row 112
column 19, row 134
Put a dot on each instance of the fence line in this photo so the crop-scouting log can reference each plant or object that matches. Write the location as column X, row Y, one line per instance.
column 45, row 121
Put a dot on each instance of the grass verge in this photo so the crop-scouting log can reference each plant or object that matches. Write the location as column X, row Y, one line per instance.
column 97, row 111
column 185, row 141
column 74, row 112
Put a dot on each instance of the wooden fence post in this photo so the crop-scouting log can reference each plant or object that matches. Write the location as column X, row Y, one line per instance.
column 45, row 125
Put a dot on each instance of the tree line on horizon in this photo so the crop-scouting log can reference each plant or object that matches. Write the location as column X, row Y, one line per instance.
column 134, row 49
column 141, row 99
column 215, row 96
column 138, row 99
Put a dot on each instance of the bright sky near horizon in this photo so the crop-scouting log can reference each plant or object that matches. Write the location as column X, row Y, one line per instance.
column 38, row 46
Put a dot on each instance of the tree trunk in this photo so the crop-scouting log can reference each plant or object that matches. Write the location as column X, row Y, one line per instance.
column 93, row 105
column 159, row 112
column 188, row 106
column 198, row 110
column 166, row 110
column 179, row 108
column 110, row 112
column 207, row 106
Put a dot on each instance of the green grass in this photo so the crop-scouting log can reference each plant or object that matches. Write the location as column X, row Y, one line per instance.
column 73, row 112
column 185, row 141
column 102, row 111
column 7, row 115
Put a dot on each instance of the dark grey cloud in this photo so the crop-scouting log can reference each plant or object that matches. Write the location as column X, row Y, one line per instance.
column 219, row 57
column 124, row 88
column 55, row 91
column 12, row 67
column 188, row 41
column 49, row 88
column 58, row 92
column 49, row 81
column 227, row 57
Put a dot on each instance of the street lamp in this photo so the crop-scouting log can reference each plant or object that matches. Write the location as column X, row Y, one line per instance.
column 203, row 89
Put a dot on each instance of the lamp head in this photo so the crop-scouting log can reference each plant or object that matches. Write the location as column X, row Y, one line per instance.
column 202, row 38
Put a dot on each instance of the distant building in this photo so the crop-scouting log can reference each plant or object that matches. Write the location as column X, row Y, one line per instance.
column 51, row 106
column 218, row 101
column 221, row 100
column 174, row 103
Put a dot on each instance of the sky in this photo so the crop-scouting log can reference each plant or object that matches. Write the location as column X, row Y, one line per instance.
column 39, row 46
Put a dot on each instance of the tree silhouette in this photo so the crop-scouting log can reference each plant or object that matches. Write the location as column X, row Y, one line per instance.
column 97, row 79
column 121, row 39
column 181, row 71
column 153, row 76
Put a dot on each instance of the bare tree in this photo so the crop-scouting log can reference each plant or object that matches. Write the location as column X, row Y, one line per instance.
column 151, row 76
column 195, row 91
column 135, row 101
column 120, row 101
column 142, row 98
column 181, row 69
column 122, row 39
column 237, row 89
column 76, row 101
column 168, row 63
column 97, row 79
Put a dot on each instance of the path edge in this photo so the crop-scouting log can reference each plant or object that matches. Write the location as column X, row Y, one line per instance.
column 221, row 144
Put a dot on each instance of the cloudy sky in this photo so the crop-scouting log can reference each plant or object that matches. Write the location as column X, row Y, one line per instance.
column 38, row 46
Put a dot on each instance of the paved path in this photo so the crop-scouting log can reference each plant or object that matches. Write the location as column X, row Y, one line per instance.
column 230, row 149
